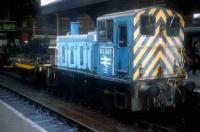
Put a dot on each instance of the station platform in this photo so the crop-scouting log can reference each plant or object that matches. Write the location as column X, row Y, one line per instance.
column 13, row 121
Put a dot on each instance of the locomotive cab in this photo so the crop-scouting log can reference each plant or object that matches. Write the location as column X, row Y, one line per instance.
column 115, row 43
column 145, row 47
column 138, row 37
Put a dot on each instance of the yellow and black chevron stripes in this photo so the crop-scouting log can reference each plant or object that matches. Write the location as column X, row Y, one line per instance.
column 161, row 16
column 159, row 50
column 159, row 58
column 152, row 11
column 169, row 12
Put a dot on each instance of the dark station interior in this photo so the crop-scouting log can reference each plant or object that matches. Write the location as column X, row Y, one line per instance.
column 100, row 65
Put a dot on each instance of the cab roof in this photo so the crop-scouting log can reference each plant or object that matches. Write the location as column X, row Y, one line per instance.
column 125, row 13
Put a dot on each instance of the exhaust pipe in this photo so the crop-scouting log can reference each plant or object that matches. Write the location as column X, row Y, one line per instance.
column 74, row 28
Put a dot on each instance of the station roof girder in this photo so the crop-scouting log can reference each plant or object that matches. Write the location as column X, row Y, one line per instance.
column 65, row 5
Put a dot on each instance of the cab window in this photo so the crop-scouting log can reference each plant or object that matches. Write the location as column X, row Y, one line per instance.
column 122, row 36
column 147, row 25
column 105, row 31
column 173, row 26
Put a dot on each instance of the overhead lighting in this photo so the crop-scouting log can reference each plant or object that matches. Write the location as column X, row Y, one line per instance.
column 196, row 16
column 46, row 2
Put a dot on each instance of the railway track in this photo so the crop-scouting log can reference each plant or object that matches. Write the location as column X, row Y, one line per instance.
column 54, row 122
column 44, row 117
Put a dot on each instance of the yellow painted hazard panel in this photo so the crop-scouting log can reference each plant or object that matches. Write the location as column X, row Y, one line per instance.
column 159, row 52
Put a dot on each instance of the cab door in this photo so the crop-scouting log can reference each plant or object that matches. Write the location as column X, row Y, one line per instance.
column 122, row 40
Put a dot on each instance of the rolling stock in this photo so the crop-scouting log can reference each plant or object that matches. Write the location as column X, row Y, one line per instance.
column 134, row 60
column 34, row 62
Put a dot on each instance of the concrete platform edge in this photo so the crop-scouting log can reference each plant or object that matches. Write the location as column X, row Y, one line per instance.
column 32, row 124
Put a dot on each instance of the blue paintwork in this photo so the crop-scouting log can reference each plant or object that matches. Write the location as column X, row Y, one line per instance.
column 74, row 27
column 95, row 54
column 60, row 61
column 76, row 51
column 106, row 60
column 122, row 53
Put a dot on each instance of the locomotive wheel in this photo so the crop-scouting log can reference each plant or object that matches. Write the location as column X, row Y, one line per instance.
column 107, row 103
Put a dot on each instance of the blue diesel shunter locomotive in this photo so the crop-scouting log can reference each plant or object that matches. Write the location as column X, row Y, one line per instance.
column 133, row 61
